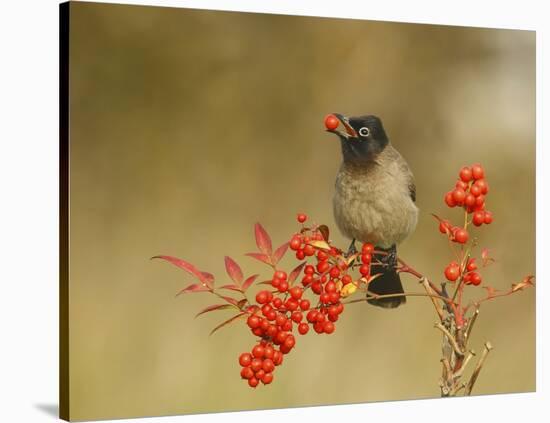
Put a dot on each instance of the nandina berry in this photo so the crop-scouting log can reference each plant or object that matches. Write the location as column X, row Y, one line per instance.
column 269, row 352
column 280, row 319
column 275, row 282
column 469, row 200
column 475, row 190
column 322, row 255
column 480, row 200
column 458, row 196
column 461, row 236
column 300, row 254
column 259, row 374
column 488, row 217
column 271, row 331
column 280, row 337
column 277, row 302
column 462, row 185
column 290, row 341
column 305, row 304
column 291, row 304
column 478, row 218
column 296, row 316
column 331, row 122
column 267, row 379
column 482, row 185
column 366, row 258
column 330, row 287
column 449, row 200
column 318, row 327
column 264, row 324
column 301, row 218
column 471, row 265
column 283, row 286
column 346, row 279
column 258, row 351
column 258, row 331
column 475, row 278
column 296, row 292
column 268, row 366
column 271, row 315
column 367, row 248
column 328, row 327
column 253, row 321
column 444, row 226
column 247, row 373
column 311, row 316
column 452, row 272
column 303, row 328
column 309, row 250
column 324, row 298
column 266, row 308
column 307, row 279
column 256, row 364
column 309, row 269
column 334, row 297
column 323, row 266
column 277, row 358
column 364, row 269
column 262, row 297
column 245, row 359
column 295, row 243
column 316, row 287
column 466, row 174
column 334, row 272
column 253, row 382
column 477, row 171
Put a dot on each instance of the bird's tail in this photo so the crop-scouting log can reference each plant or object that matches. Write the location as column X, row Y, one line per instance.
column 388, row 282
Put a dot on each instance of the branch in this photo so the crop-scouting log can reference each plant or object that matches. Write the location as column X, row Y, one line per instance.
column 373, row 296
column 429, row 290
column 475, row 374
column 471, row 324
column 450, row 337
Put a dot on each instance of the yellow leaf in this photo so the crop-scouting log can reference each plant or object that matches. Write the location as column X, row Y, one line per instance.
column 323, row 245
column 348, row 289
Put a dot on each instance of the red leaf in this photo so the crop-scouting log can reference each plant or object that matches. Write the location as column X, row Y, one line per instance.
column 229, row 300
column 214, row 307
column 228, row 321
column 249, row 281
column 233, row 270
column 324, row 231
column 196, row 287
column 263, row 241
column 527, row 281
column 205, row 277
column 486, row 260
column 232, row 287
column 294, row 274
column 279, row 253
column 242, row 303
column 264, row 258
column 264, row 283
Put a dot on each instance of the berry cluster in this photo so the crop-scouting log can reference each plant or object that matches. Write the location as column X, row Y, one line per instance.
column 283, row 308
column 469, row 193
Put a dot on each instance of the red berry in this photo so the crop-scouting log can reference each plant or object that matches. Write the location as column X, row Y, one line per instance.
column 311, row 316
column 482, row 185
column 258, row 351
column 488, row 217
column 334, row 272
column 290, row 341
column 277, row 358
column 469, row 200
column 256, row 364
column 478, row 218
column 449, row 200
column 304, row 305
column 477, row 171
column 246, row 373
column 367, row 248
column 475, row 278
column 444, row 226
column 245, row 359
column 268, row 366
column 307, row 279
column 324, row 298
column 334, row 297
column 331, row 122
column 328, row 327
column 262, row 297
column 475, row 190
column 462, row 185
column 471, row 265
column 318, row 327
column 279, row 274
column 330, row 287
column 364, row 269
column 253, row 321
column 271, row 332
column 323, row 266
column 452, row 272
column 301, row 217
column 292, row 304
column 253, row 382
column 303, row 328
column 283, row 286
column 346, row 279
column 296, row 292
column 458, row 196
column 466, row 174
column 309, row 250
column 300, row 254
column 480, row 201
column 295, row 242
column 461, row 236
column 280, row 319
column 277, row 302
column 316, row 287
column 296, row 316
column 366, row 258
column 309, row 269
column 269, row 352
column 267, row 379
column 322, row 255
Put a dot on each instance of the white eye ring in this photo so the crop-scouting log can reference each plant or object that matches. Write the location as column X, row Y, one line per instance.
column 364, row 131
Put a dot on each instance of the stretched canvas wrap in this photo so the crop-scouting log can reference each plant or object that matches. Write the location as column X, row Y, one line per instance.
column 262, row 211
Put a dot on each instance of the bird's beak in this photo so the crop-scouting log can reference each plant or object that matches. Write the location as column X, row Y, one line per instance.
column 349, row 131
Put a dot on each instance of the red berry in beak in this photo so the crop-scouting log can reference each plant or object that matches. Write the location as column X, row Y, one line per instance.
column 331, row 122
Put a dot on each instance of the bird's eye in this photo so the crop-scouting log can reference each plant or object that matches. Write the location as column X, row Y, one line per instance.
column 364, row 131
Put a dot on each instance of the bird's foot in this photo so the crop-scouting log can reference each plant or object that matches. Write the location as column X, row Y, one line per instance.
column 390, row 259
column 351, row 250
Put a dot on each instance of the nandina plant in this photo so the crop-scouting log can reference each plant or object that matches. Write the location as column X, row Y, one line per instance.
column 312, row 296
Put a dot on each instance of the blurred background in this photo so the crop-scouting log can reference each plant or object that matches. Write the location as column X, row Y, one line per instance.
column 189, row 126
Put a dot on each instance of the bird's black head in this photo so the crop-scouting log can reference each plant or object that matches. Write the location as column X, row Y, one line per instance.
column 363, row 137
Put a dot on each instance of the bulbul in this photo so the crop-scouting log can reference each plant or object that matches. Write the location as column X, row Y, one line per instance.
column 374, row 199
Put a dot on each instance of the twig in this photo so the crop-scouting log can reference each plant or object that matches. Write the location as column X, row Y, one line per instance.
column 475, row 374
column 436, row 304
column 452, row 341
column 458, row 373
column 471, row 324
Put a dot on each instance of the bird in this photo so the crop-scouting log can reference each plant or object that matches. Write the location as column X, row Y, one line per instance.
column 374, row 200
